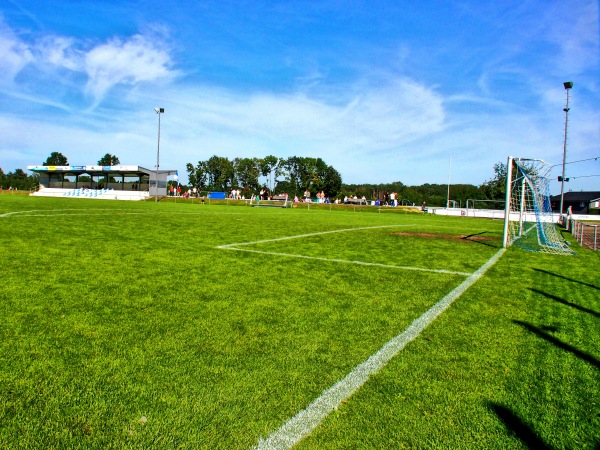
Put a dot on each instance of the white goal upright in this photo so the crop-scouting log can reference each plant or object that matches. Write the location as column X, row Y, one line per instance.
column 528, row 219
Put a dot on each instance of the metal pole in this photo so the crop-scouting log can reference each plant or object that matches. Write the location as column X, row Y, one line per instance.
column 448, row 195
column 509, row 168
column 157, row 158
column 158, row 111
column 568, row 85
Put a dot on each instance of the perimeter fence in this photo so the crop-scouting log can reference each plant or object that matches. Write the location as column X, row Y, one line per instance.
column 585, row 233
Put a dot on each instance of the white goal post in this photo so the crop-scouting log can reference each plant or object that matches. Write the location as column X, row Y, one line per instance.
column 528, row 217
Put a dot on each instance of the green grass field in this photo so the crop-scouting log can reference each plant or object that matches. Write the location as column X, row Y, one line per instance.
column 163, row 325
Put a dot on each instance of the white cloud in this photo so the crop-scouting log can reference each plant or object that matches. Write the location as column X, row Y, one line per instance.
column 60, row 52
column 575, row 30
column 130, row 61
column 371, row 119
column 127, row 61
column 14, row 54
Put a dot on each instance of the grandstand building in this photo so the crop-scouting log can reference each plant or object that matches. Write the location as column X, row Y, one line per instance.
column 105, row 182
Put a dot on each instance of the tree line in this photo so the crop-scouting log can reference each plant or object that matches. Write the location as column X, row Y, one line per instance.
column 293, row 175
column 492, row 190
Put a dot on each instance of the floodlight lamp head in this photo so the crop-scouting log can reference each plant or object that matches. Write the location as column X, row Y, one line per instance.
column 568, row 84
column 159, row 110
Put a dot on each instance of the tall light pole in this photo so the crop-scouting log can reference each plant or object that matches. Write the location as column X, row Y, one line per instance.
column 158, row 111
column 568, row 85
column 448, row 196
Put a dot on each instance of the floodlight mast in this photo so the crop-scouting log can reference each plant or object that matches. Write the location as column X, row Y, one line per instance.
column 158, row 111
column 568, row 85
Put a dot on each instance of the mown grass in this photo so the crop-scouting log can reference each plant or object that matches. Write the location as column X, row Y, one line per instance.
column 124, row 326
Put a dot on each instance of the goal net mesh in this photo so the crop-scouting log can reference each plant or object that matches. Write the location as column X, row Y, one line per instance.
column 528, row 210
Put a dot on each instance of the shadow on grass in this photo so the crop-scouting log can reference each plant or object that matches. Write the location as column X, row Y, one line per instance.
column 487, row 241
column 521, row 430
column 565, row 302
column 560, row 344
column 567, row 278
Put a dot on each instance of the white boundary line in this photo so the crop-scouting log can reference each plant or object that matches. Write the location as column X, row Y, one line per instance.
column 298, row 236
column 303, row 423
column 292, row 255
column 345, row 261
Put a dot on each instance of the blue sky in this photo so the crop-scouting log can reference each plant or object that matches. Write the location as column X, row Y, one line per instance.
column 418, row 92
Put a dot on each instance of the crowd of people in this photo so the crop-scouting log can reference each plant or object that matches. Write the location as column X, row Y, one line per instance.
column 389, row 199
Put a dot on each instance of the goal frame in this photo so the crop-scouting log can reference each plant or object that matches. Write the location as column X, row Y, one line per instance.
column 528, row 216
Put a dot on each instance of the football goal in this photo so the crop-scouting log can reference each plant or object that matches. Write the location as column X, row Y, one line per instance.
column 528, row 219
column 281, row 201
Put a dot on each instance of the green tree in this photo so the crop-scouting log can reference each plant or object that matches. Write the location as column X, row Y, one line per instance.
column 495, row 189
column 247, row 171
column 268, row 166
column 332, row 182
column 292, row 167
column 109, row 160
column 56, row 159
column 20, row 180
column 197, row 175
column 220, row 172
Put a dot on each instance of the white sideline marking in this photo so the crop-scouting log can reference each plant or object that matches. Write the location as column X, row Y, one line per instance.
column 303, row 423
column 345, row 261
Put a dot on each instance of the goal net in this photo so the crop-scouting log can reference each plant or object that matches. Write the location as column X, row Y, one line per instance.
column 528, row 218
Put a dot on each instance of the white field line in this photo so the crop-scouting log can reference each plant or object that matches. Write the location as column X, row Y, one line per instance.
column 344, row 261
column 64, row 212
column 303, row 423
column 292, row 255
column 320, row 233
column 88, row 215
column 23, row 212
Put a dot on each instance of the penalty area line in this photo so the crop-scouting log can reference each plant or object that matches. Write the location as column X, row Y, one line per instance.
column 344, row 261
column 303, row 423
column 320, row 233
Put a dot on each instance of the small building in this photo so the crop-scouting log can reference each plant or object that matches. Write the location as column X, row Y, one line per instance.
column 584, row 202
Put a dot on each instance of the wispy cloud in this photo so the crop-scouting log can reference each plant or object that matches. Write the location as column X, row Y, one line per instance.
column 118, row 61
column 60, row 51
column 575, row 31
column 14, row 54
column 125, row 61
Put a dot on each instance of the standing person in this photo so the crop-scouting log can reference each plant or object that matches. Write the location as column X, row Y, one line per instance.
column 424, row 207
column 178, row 191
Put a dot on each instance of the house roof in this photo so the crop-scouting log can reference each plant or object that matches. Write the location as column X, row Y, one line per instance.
column 582, row 196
